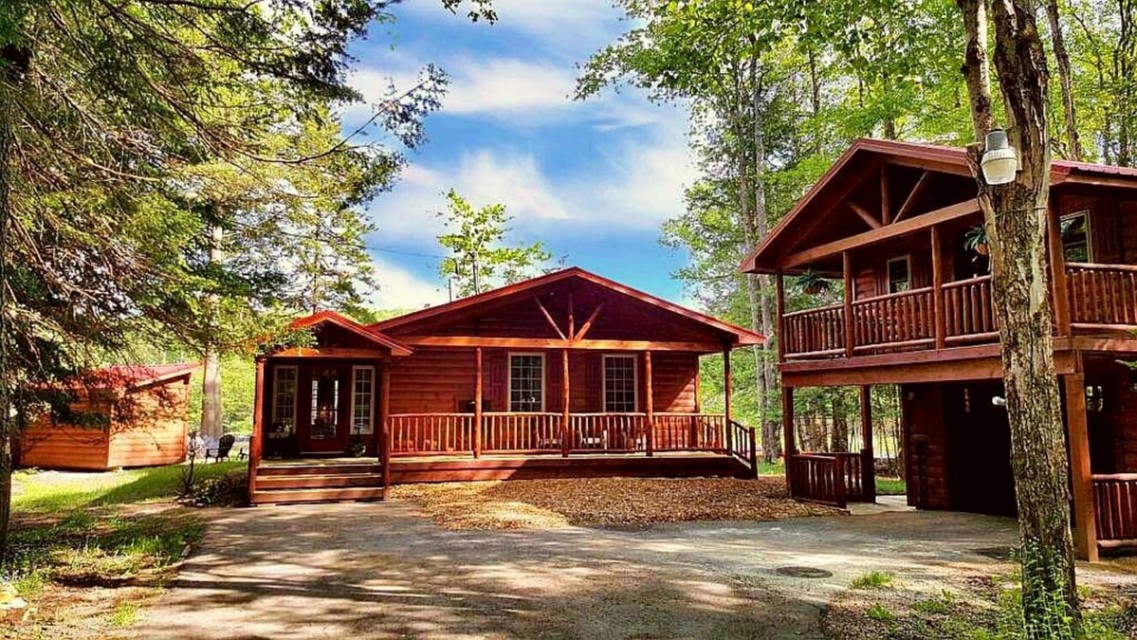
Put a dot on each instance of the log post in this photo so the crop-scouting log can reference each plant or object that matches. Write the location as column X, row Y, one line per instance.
column 649, row 404
column 839, row 481
column 789, row 448
column 780, row 338
column 1057, row 264
column 693, row 442
column 847, row 269
column 728, row 391
column 868, row 455
column 256, row 442
column 1085, row 520
column 385, row 416
column 938, row 289
column 478, row 391
column 566, row 416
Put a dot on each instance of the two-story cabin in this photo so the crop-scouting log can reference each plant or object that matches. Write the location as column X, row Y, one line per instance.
column 568, row 374
column 898, row 225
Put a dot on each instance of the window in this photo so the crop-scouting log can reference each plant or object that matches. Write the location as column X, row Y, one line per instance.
column 325, row 404
column 526, row 382
column 284, row 400
column 362, row 400
column 899, row 278
column 620, row 388
column 1075, row 230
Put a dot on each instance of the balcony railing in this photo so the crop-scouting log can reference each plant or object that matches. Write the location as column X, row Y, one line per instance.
column 1101, row 297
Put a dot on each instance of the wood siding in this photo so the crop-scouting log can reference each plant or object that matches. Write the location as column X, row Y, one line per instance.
column 922, row 410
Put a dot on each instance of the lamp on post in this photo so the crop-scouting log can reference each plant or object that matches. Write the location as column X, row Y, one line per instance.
column 1000, row 163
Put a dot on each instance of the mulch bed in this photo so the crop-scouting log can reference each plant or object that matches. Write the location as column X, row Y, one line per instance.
column 551, row 504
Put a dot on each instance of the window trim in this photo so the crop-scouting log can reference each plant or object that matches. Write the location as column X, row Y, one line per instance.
column 1085, row 213
column 635, row 358
column 509, row 378
column 370, row 414
column 276, row 392
column 907, row 260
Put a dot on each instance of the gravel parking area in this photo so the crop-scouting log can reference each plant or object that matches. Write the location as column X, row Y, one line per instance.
column 385, row 570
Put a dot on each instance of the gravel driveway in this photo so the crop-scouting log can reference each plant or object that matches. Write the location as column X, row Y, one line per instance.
column 385, row 571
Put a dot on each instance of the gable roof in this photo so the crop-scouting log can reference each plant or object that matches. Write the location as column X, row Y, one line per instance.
column 343, row 322
column 944, row 159
column 126, row 377
column 741, row 336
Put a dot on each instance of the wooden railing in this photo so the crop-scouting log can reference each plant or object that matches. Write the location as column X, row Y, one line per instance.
column 743, row 443
column 833, row 478
column 1102, row 295
column 816, row 332
column 968, row 312
column 689, row 432
column 519, row 432
column 902, row 319
column 1115, row 504
column 432, row 433
column 615, row 432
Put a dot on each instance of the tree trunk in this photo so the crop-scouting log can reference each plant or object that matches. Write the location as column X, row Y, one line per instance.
column 211, row 426
column 975, row 69
column 1016, row 227
column 1073, row 142
column 840, row 422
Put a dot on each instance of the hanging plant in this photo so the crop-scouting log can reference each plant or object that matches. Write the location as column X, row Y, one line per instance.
column 976, row 240
column 812, row 283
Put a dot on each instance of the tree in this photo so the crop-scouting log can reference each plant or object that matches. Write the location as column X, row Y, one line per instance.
column 102, row 104
column 1015, row 216
column 479, row 258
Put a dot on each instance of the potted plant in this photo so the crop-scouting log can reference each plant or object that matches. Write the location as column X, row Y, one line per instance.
column 812, row 283
column 976, row 240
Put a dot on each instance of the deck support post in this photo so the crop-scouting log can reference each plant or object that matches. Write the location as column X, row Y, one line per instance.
column 847, row 269
column 1057, row 265
column 385, row 417
column 256, row 442
column 1085, row 520
column 789, row 447
column 780, row 338
column 728, row 391
column 566, row 426
column 694, row 437
column 649, row 408
column 478, row 402
column 868, row 455
column 939, row 322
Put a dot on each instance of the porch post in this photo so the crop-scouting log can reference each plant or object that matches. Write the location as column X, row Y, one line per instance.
column 868, row 457
column 938, row 289
column 693, row 443
column 728, row 391
column 566, row 398
column 1057, row 272
column 256, row 441
column 385, row 413
column 648, row 404
column 789, row 448
column 847, row 269
column 1085, row 520
column 477, row 402
column 780, row 338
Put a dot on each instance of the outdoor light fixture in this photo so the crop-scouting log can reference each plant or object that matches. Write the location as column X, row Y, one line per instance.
column 999, row 401
column 1000, row 162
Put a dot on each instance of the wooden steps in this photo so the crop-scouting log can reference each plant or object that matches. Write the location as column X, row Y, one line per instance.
column 318, row 482
column 298, row 496
column 425, row 470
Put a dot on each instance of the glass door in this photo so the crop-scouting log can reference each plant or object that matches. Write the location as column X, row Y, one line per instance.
column 327, row 423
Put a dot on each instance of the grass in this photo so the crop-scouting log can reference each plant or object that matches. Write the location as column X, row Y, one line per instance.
column 891, row 487
column 872, row 580
column 76, row 533
column 880, row 613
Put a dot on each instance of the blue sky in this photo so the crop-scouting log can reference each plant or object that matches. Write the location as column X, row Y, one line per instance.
column 592, row 180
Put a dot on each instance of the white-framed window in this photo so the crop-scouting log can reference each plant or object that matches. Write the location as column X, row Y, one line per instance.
column 283, row 399
column 621, row 383
column 526, row 382
column 899, row 274
column 362, row 400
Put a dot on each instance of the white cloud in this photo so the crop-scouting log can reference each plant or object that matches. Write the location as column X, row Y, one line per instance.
column 555, row 24
column 399, row 288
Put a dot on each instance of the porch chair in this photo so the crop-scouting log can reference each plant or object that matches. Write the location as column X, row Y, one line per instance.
column 221, row 452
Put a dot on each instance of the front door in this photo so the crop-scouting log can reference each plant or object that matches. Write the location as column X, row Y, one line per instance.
column 327, row 419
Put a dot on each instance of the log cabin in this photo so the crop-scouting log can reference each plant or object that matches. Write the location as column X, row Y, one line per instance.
column 118, row 417
column 896, row 227
column 565, row 375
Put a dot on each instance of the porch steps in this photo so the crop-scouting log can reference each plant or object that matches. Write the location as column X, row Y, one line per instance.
column 318, row 482
column 420, row 470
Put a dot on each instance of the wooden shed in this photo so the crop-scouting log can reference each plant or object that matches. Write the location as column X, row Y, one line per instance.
column 119, row 416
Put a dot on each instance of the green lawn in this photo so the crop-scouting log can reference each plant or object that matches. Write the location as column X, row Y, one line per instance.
column 118, row 529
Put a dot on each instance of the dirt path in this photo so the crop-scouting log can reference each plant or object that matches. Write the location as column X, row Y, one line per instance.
column 384, row 571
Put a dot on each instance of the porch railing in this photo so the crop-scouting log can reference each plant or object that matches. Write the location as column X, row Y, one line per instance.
column 612, row 432
column 968, row 313
column 516, row 432
column 895, row 320
column 1115, row 504
column 431, row 433
column 1102, row 295
column 816, row 332
column 689, row 432
column 832, row 478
